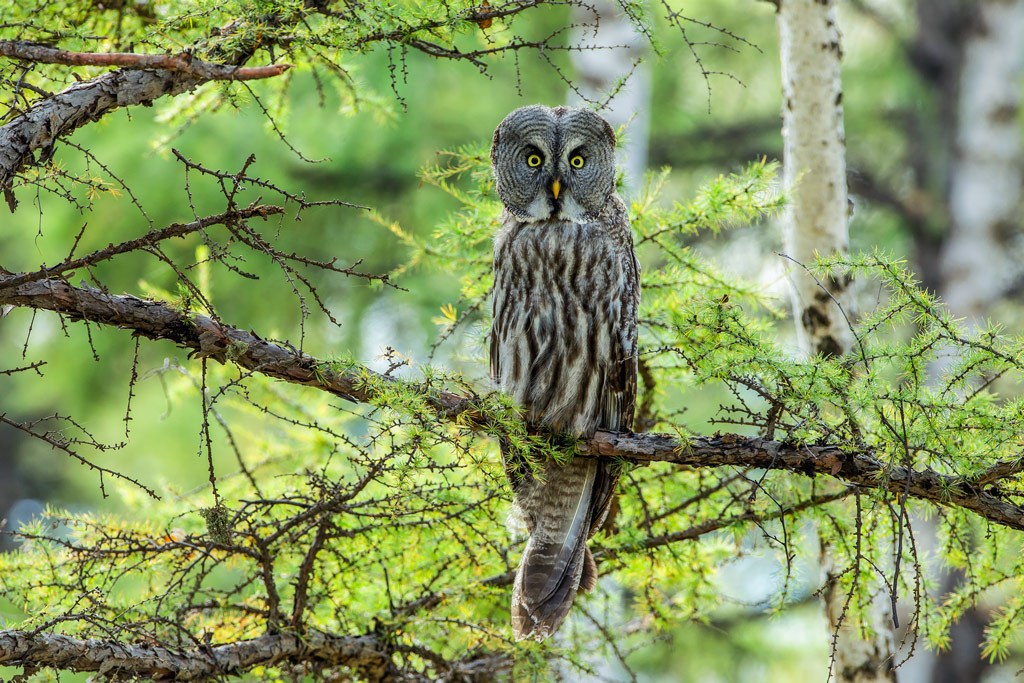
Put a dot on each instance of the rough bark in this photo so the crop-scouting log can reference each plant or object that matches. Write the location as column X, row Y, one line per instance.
column 207, row 337
column 365, row 654
column 38, row 129
column 817, row 222
column 185, row 62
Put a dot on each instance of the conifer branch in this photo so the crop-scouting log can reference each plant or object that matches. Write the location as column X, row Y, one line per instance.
column 52, row 118
column 365, row 654
column 206, row 337
column 184, row 62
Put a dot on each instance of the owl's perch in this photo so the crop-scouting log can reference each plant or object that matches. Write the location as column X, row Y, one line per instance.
column 207, row 337
column 861, row 469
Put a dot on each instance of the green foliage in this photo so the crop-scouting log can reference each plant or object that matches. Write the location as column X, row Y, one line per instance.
column 393, row 518
column 705, row 328
column 330, row 43
column 389, row 519
column 410, row 509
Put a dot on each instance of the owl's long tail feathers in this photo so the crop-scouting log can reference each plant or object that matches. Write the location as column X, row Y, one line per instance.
column 556, row 563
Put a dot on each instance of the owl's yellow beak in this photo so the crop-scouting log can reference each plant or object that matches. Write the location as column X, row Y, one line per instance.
column 555, row 187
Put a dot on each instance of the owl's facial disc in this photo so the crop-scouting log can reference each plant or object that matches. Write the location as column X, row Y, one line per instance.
column 586, row 164
column 523, row 159
column 544, row 186
column 554, row 163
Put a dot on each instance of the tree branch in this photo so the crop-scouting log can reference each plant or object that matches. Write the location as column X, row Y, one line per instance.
column 206, row 337
column 150, row 239
column 364, row 654
column 183, row 62
column 85, row 102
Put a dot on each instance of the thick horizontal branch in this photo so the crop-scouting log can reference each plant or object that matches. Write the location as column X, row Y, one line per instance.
column 861, row 469
column 206, row 337
column 183, row 62
column 364, row 654
column 55, row 117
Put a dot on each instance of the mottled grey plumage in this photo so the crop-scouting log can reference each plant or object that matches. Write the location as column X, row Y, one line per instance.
column 563, row 338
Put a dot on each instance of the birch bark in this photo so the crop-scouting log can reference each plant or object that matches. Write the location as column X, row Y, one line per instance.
column 814, row 169
column 814, row 176
column 981, row 256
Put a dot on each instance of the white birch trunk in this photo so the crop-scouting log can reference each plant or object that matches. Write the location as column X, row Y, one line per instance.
column 599, row 71
column 814, row 176
column 814, row 171
column 980, row 262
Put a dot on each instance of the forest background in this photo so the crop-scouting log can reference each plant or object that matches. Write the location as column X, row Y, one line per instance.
column 399, row 130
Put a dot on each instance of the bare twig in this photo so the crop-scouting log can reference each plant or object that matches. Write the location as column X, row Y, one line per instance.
column 149, row 239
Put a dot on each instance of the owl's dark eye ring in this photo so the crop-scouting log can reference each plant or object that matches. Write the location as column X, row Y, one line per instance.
column 533, row 161
column 576, row 161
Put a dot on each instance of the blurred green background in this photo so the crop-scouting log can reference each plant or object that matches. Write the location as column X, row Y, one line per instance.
column 374, row 149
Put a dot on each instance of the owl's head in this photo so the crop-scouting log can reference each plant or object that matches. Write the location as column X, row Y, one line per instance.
column 554, row 163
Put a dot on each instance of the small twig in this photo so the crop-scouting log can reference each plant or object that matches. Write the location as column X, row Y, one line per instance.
column 150, row 239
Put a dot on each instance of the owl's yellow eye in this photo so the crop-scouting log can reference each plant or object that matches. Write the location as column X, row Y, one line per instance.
column 533, row 161
column 576, row 161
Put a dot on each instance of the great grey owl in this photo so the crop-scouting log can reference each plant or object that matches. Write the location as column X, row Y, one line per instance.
column 563, row 338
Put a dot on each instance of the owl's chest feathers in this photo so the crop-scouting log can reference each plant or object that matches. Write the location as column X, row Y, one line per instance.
column 559, row 292
column 543, row 260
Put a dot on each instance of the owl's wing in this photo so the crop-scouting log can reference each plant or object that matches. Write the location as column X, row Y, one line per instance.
column 499, row 300
column 618, row 402
column 495, row 355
